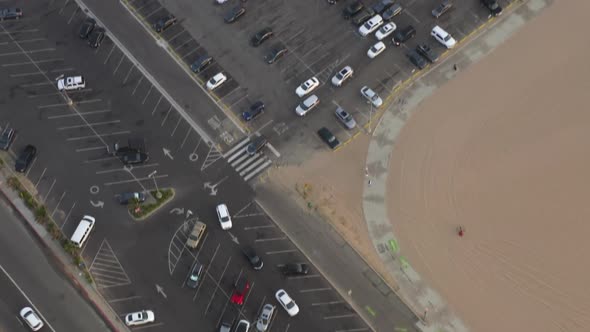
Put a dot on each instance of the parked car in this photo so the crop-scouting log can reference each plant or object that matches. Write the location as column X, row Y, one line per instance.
column 261, row 36
column 371, row 96
column 256, row 145
column 287, row 302
column 362, row 16
column 416, row 59
column 225, row 327
column 223, row 217
column 216, row 81
column 307, row 105
column 442, row 8
column 277, row 52
column 329, row 138
column 25, row 158
column 265, row 317
column 201, row 63
column 385, row 31
column 295, row 269
column 403, row 35
column 241, row 288
column 345, row 117
column 31, row 318
column 307, row 87
column 427, row 52
column 6, row 138
column 221, row 2
column 382, row 5
column 333, row 2
column 342, row 76
column 164, row 23
column 391, row 12
column 130, row 197
column 71, row 83
column 255, row 111
column 243, row 326
column 376, row 49
column 195, row 276
column 140, row 318
column 253, row 258
column 234, row 14
column 11, row 13
column 87, row 27
column 371, row 25
column 493, row 7
column 134, row 157
column 352, row 9
column 443, row 37
column 96, row 37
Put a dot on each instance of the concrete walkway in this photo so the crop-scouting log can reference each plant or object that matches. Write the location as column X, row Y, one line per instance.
column 434, row 312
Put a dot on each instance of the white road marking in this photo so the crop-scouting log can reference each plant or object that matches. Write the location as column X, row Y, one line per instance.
column 68, row 216
column 147, row 94
column 58, row 203
column 166, row 116
column 271, row 239
column 94, row 148
column 108, row 56
column 326, row 303
column 94, row 124
column 258, row 227
column 134, row 180
column 124, row 299
column 99, row 136
column 188, row 132
column 354, row 330
column 157, row 104
column 31, row 62
column 176, row 127
column 28, row 52
column 280, row 251
column 73, row 114
column 312, row 290
column 128, row 73
column 42, row 173
column 217, row 285
column 137, row 86
column 48, row 192
column 122, row 169
column 341, row 316
column 120, row 62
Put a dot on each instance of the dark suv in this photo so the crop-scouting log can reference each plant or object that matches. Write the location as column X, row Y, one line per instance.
column 25, row 158
column 256, row 145
column 201, row 63
column 493, row 7
column 164, row 23
column 352, row 9
column 10, row 13
column 255, row 111
column 403, row 35
column 363, row 16
column 234, row 14
column 277, row 52
column 87, row 27
column 382, row 5
column 295, row 269
column 427, row 52
column 253, row 258
column 261, row 36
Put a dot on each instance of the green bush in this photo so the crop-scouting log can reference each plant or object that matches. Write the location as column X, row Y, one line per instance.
column 146, row 209
column 88, row 276
column 41, row 215
column 69, row 247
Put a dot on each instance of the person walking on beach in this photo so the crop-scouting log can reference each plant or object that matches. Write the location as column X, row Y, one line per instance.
column 461, row 231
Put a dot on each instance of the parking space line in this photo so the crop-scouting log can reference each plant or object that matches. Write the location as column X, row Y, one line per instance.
column 5, row 32
column 64, row 7
column 122, row 169
column 29, row 52
column 77, row 114
column 89, row 125
column 31, row 167
column 326, row 303
column 27, row 74
column 42, row 173
column 73, row 14
column 188, row 132
column 271, row 239
column 341, row 316
column 412, row 16
column 181, row 45
column 305, row 277
column 355, row 330
column 217, row 285
column 313, row 49
column 166, row 117
column 124, row 299
column 32, row 40
column 176, row 127
column 68, row 216
column 51, row 105
column 30, row 85
column 280, row 252
column 30, row 62
column 176, row 35
column 157, row 104
column 311, row 290
column 287, row 328
column 99, row 160
column 191, row 52
column 58, row 203
column 94, row 148
column 120, row 62
column 125, row 132
column 258, row 227
column 136, row 179
column 137, row 86
column 49, row 191
column 152, row 13
column 147, row 94
column 207, row 270
column 128, row 73
column 108, row 56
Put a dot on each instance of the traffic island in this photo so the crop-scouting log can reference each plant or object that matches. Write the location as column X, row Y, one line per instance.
column 159, row 198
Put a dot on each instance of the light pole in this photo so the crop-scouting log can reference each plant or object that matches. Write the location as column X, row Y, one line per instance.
column 153, row 176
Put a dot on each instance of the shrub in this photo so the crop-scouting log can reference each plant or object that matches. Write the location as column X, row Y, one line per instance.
column 69, row 247
column 41, row 215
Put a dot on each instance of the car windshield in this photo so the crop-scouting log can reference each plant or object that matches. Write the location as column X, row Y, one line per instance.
column 447, row 38
column 225, row 219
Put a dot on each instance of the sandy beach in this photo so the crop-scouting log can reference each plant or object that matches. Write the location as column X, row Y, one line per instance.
column 502, row 150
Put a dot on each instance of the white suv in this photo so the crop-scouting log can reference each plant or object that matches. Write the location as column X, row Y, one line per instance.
column 371, row 25
column 340, row 77
column 223, row 216
column 307, row 105
column 71, row 83
column 443, row 37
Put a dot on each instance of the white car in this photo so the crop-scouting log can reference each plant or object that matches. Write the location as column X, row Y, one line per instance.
column 385, row 31
column 371, row 25
column 31, row 318
column 265, row 317
column 287, row 303
column 376, row 49
column 71, row 83
column 140, row 318
column 221, row 2
column 341, row 77
column 443, row 37
column 223, row 216
column 307, row 105
column 243, row 326
column 216, row 81
column 371, row 96
column 307, row 86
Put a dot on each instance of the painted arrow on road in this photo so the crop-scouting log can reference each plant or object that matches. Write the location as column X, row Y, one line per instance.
column 213, row 187
column 167, row 153
column 177, row 211
column 160, row 290
column 233, row 238
column 100, row 204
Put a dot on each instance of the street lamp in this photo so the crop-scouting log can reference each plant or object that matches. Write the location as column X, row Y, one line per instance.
column 153, row 176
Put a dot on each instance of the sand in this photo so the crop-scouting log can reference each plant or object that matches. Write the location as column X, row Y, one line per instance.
column 503, row 150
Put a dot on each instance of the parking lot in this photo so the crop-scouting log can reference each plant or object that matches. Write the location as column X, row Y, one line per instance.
column 319, row 42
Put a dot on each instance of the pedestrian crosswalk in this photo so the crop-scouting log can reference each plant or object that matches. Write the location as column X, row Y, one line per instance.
column 247, row 165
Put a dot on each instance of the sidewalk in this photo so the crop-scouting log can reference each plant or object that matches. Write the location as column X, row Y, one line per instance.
column 88, row 292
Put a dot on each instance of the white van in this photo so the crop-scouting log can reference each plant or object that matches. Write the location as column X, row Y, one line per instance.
column 82, row 231
column 443, row 37
column 71, row 83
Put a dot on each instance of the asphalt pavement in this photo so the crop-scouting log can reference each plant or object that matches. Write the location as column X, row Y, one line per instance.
column 28, row 278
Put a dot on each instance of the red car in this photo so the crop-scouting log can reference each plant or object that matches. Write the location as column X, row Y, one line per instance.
column 242, row 286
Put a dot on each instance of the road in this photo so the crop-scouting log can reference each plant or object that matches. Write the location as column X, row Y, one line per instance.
column 28, row 279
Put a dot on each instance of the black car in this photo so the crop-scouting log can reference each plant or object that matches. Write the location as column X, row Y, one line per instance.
column 391, row 12
column 134, row 157
column 295, row 269
column 261, row 36
column 403, row 35
column 10, row 13
column 255, row 110
column 87, row 27
column 96, row 37
column 256, row 145
column 417, row 59
column 360, row 18
column 493, row 7
column 201, row 63
column 6, row 138
column 332, row 2
column 352, row 9
column 253, row 258
column 382, row 5
column 195, row 277
column 442, row 8
column 25, row 158
column 327, row 136
column 234, row 14
column 164, row 23
column 129, row 197
column 277, row 52
column 426, row 51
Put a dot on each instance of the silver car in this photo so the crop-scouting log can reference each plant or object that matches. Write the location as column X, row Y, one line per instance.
column 345, row 118
column 343, row 75
column 265, row 316
column 307, row 105
column 371, row 96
